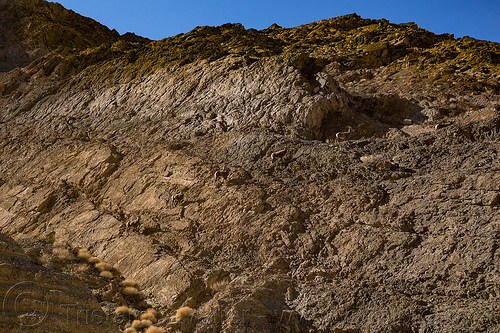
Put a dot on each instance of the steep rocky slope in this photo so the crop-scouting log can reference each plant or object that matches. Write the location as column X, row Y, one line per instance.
column 33, row 28
column 114, row 146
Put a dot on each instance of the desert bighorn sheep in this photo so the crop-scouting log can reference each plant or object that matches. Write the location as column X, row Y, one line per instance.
column 277, row 154
column 176, row 199
column 221, row 174
column 343, row 135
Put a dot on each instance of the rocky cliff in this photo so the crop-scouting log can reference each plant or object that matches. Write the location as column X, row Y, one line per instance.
column 207, row 167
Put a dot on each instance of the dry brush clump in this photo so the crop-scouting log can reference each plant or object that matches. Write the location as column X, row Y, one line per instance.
column 130, row 316
column 129, row 283
column 130, row 291
column 94, row 260
column 83, row 254
column 154, row 312
column 103, row 266
column 106, row 274
column 154, row 329
column 129, row 330
column 125, row 311
column 130, row 288
column 141, row 324
column 184, row 312
column 148, row 316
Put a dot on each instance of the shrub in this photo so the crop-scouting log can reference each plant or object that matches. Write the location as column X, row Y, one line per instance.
column 136, row 323
column 148, row 316
column 153, row 311
column 183, row 312
column 94, row 260
column 125, row 311
column 130, row 330
column 83, row 254
column 130, row 291
column 106, row 274
column 141, row 324
column 129, row 283
column 155, row 329
column 103, row 266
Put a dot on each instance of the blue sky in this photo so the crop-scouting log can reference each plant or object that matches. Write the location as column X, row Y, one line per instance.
column 157, row 19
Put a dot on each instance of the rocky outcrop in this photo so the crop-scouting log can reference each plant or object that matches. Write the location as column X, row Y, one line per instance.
column 273, row 95
column 391, row 227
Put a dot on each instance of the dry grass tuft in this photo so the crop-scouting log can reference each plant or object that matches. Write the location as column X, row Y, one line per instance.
column 129, row 283
column 155, row 329
column 103, row 266
column 84, row 254
column 106, row 274
column 136, row 323
column 183, row 312
column 130, row 291
column 125, row 311
column 94, row 260
column 153, row 311
column 148, row 316
column 130, row 330
column 141, row 324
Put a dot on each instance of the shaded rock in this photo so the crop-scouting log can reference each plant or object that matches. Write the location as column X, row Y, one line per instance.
column 38, row 299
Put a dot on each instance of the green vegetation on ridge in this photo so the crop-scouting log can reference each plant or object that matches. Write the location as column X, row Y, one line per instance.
column 348, row 42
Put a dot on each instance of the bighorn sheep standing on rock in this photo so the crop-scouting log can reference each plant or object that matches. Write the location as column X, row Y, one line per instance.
column 343, row 135
column 221, row 174
column 176, row 199
column 277, row 154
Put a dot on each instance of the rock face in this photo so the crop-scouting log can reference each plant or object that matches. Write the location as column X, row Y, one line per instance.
column 38, row 299
column 114, row 146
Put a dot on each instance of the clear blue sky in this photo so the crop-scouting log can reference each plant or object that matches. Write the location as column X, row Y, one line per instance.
column 157, row 19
